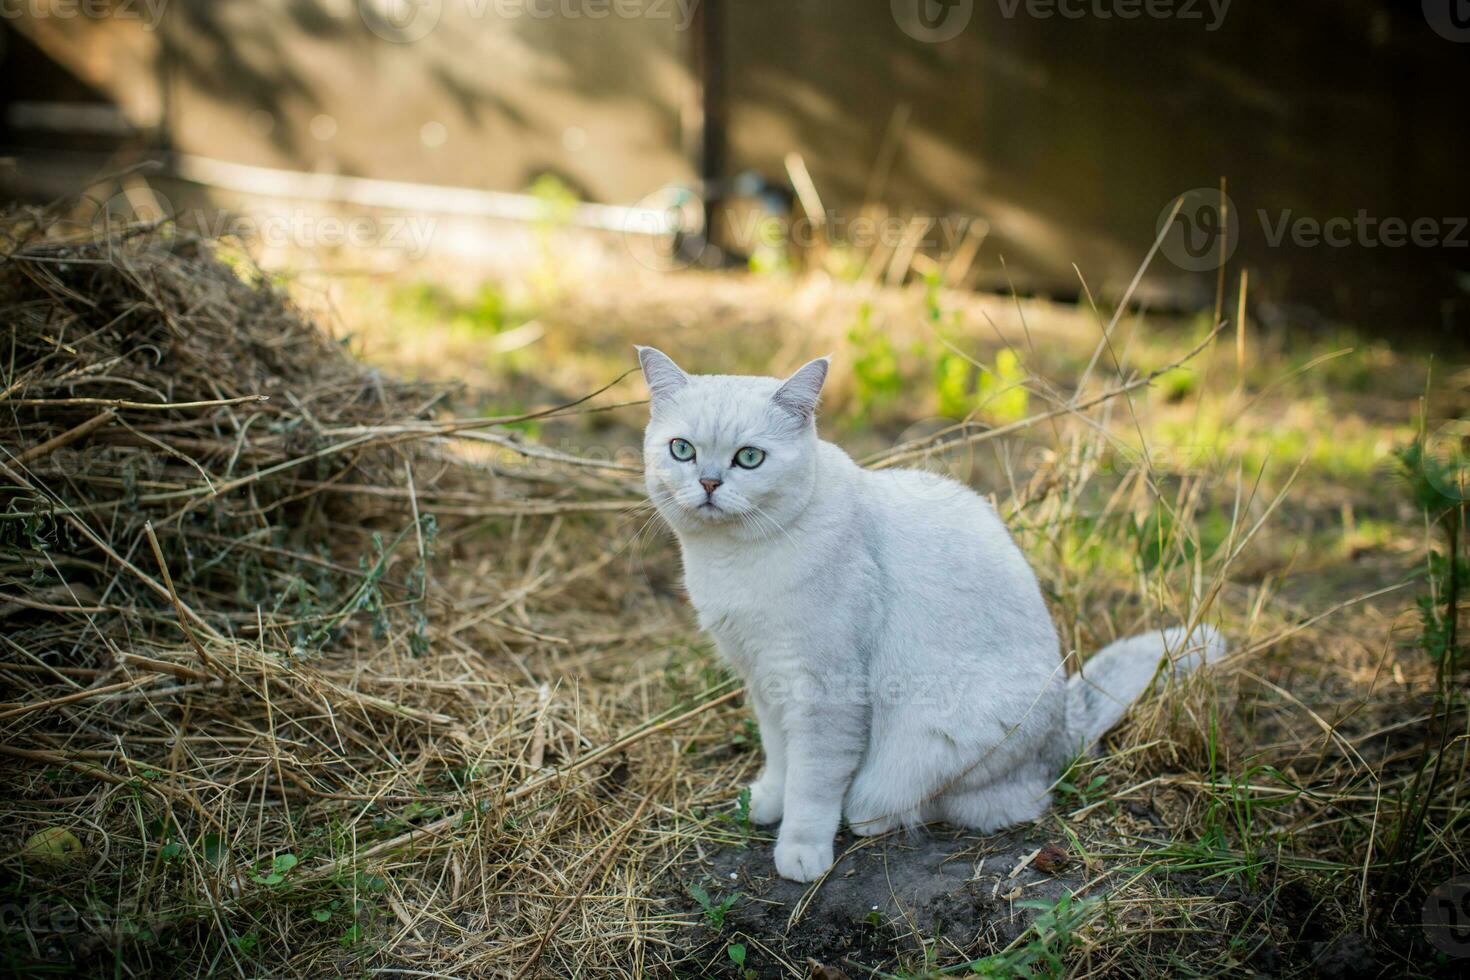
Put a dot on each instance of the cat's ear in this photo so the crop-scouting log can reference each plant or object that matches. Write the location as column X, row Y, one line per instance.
column 664, row 377
column 799, row 393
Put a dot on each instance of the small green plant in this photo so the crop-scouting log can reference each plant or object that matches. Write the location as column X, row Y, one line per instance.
column 465, row 317
column 558, row 203
column 714, row 911
column 933, row 308
column 1178, row 384
column 368, row 596
column 749, row 736
column 927, row 969
column 876, row 380
column 1233, row 812
column 1436, row 483
column 1002, row 389
column 1051, row 936
column 740, row 818
column 1165, row 541
column 214, row 849
column 1438, row 609
column 736, row 952
column 275, row 873
column 1079, row 793
column 952, row 384
column 768, row 254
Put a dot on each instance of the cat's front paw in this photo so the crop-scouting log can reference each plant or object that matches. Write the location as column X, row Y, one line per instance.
column 802, row 862
column 767, row 802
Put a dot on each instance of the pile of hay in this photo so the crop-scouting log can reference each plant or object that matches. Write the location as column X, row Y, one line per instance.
column 147, row 382
column 245, row 725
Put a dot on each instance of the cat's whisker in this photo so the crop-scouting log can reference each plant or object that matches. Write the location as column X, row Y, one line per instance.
column 756, row 508
column 755, row 522
column 652, row 519
column 761, row 524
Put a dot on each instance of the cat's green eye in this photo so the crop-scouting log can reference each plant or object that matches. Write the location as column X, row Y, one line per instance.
column 682, row 450
column 750, row 457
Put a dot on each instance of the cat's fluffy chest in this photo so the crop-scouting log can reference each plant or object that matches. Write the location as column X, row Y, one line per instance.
column 748, row 601
column 789, row 592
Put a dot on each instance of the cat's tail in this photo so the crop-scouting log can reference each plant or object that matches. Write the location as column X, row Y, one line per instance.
column 1115, row 677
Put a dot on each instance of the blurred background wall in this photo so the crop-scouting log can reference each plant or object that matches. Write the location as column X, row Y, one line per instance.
column 1064, row 138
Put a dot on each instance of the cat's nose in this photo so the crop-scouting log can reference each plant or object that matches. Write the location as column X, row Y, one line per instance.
column 709, row 486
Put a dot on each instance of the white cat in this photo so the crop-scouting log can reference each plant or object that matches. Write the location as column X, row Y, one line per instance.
column 892, row 638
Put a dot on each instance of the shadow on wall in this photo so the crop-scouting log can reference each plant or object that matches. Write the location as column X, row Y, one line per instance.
column 468, row 98
column 1070, row 136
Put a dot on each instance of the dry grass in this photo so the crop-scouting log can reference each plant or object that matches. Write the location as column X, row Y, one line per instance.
column 325, row 681
column 228, row 654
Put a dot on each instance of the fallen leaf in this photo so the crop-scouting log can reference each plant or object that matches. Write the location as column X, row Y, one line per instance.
column 54, row 845
column 822, row 972
column 1051, row 859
